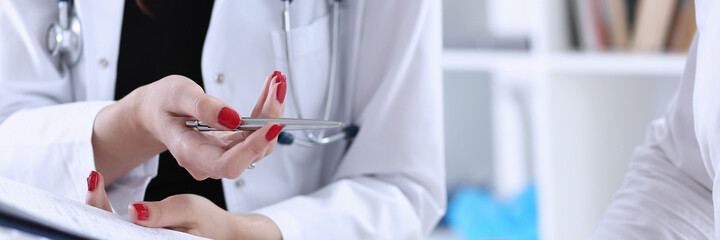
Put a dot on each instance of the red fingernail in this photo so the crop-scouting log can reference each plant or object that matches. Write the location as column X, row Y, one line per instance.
column 229, row 118
column 92, row 181
column 281, row 78
column 142, row 212
column 273, row 132
column 276, row 74
column 281, row 89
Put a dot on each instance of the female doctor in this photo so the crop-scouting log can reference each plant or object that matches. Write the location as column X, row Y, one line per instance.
column 59, row 121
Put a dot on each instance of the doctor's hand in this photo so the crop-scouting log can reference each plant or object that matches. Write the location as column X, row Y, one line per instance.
column 151, row 119
column 188, row 213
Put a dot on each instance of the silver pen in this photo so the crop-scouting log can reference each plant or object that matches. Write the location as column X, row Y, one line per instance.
column 291, row 124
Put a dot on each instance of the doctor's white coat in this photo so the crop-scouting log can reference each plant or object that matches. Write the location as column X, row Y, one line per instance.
column 673, row 188
column 388, row 184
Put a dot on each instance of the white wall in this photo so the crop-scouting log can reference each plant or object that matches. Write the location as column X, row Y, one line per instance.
column 596, row 123
column 468, row 136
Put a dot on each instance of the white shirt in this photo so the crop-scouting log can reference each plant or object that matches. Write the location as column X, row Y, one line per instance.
column 388, row 184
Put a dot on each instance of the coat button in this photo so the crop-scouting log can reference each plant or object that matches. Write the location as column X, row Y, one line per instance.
column 103, row 63
column 219, row 78
column 239, row 183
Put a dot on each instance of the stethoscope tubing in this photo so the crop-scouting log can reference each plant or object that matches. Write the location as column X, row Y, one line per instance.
column 312, row 139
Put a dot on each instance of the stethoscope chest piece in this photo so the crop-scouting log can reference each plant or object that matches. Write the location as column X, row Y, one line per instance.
column 65, row 36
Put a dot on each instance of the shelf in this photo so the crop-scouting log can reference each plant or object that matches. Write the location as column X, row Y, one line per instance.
column 617, row 63
column 660, row 64
column 484, row 60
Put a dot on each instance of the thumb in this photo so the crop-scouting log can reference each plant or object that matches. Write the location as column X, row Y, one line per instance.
column 171, row 212
column 96, row 195
column 191, row 100
column 225, row 117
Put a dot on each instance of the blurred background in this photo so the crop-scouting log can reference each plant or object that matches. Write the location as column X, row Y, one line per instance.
column 545, row 101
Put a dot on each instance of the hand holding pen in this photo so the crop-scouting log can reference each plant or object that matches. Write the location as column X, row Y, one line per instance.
column 152, row 119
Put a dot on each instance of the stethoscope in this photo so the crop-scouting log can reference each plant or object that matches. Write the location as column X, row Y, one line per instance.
column 64, row 39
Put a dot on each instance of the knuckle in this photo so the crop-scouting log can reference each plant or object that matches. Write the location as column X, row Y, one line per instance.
column 189, row 167
column 234, row 174
column 231, row 170
column 180, row 199
column 182, row 150
column 201, row 103
column 257, row 147
column 157, row 214
column 182, row 162
column 270, row 149
column 179, row 79
column 174, row 82
column 176, row 85
column 197, row 175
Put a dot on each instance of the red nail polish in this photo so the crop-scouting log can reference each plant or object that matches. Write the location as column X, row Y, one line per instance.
column 229, row 118
column 276, row 74
column 273, row 132
column 281, row 89
column 142, row 212
column 281, row 78
column 92, row 181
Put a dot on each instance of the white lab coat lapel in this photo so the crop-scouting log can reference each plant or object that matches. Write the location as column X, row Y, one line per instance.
column 97, row 70
column 235, row 49
column 244, row 44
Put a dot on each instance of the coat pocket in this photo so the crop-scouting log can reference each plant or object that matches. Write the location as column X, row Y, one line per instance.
column 310, row 62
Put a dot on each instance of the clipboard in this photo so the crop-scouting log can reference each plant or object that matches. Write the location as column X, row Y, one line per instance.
column 14, row 221
column 41, row 213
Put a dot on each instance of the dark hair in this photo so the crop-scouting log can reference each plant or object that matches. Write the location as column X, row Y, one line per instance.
column 144, row 8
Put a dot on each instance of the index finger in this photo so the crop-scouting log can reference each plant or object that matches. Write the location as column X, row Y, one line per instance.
column 236, row 159
column 269, row 81
column 194, row 151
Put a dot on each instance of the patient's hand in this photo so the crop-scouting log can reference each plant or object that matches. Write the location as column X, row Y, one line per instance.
column 188, row 213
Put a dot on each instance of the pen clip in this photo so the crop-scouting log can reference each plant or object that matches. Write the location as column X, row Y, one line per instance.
column 199, row 125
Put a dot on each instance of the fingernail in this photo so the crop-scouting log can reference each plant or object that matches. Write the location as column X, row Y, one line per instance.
column 92, row 181
column 276, row 74
column 281, row 89
column 281, row 78
column 229, row 118
column 273, row 132
column 142, row 212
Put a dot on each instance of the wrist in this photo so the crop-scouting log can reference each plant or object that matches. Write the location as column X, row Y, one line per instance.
column 136, row 119
column 254, row 226
column 131, row 106
column 120, row 141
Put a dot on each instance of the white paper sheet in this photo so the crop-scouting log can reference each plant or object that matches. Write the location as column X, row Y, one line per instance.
column 39, row 206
